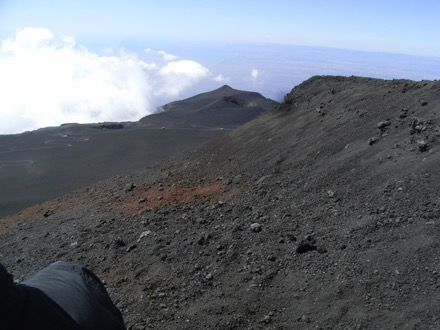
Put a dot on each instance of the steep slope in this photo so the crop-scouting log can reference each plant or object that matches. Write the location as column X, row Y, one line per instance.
column 43, row 164
column 320, row 214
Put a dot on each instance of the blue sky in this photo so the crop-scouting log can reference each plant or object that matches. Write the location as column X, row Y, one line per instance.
column 94, row 60
column 398, row 26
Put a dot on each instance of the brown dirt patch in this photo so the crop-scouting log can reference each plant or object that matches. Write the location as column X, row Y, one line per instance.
column 176, row 195
column 37, row 210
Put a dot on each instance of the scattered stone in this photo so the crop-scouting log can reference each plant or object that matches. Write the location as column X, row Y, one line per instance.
column 307, row 244
column 419, row 128
column 129, row 187
column 331, row 193
column 256, row 227
column 209, row 277
column 131, row 247
column 267, row 319
column 373, row 140
column 320, row 111
column 119, row 242
column 403, row 113
column 144, row 234
column 142, row 200
column 48, row 213
column 322, row 249
column 272, row 258
column 422, row 145
column 382, row 125
column 204, row 239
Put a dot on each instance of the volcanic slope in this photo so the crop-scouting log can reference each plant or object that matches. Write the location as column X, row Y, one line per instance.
column 224, row 107
column 50, row 162
column 320, row 214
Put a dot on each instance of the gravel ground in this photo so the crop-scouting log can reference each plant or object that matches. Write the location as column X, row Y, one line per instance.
column 320, row 214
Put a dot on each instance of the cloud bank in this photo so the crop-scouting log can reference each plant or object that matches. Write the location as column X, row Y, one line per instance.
column 47, row 80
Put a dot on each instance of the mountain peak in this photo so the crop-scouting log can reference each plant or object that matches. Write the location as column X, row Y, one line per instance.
column 225, row 89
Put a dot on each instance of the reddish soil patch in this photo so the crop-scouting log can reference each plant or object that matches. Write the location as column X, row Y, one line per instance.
column 37, row 210
column 176, row 195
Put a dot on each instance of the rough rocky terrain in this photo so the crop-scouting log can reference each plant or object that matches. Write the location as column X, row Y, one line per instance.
column 320, row 214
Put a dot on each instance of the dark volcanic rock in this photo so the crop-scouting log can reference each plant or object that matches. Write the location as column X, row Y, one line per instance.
column 370, row 261
column 109, row 126
column 306, row 245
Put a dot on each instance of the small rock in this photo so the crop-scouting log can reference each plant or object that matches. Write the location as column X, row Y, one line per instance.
column 272, row 258
column 423, row 103
column 322, row 249
column 48, row 213
column 403, row 113
column 419, row 128
column 331, row 193
column 256, row 227
column 321, row 111
column 372, row 140
column 383, row 125
column 204, row 239
column 131, row 247
column 423, row 145
column 144, row 234
column 267, row 319
column 209, row 277
column 129, row 187
column 306, row 245
column 120, row 242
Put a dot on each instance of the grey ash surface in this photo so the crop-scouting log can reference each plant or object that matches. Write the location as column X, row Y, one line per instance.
column 295, row 220
column 47, row 163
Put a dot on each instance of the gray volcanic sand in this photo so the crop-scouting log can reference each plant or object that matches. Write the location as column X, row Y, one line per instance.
column 47, row 163
column 320, row 214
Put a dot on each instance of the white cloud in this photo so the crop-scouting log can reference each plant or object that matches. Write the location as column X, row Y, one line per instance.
column 179, row 75
column 168, row 57
column 221, row 78
column 190, row 69
column 47, row 80
column 254, row 75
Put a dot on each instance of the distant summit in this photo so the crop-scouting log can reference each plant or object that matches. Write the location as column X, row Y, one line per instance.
column 225, row 87
column 224, row 107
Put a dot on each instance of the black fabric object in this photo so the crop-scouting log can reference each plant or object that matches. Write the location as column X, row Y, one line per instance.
column 61, row 296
